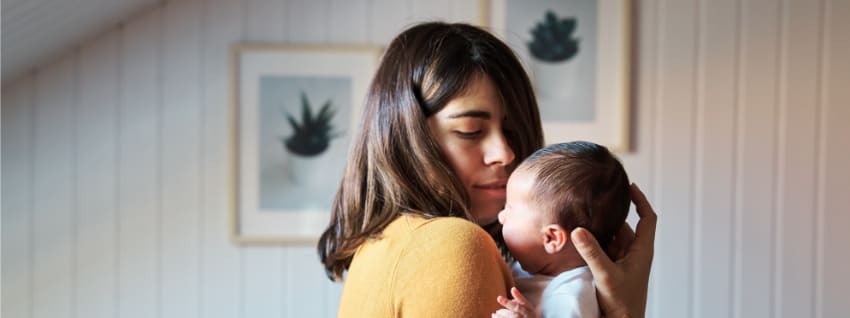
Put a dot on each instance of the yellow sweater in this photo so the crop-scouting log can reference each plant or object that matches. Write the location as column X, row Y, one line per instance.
column 441, row 267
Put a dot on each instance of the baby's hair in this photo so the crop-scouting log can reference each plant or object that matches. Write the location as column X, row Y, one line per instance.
column 580, row 184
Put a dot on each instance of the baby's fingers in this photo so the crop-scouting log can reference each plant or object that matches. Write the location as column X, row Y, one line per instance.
column 517, row 307
column 518, row 296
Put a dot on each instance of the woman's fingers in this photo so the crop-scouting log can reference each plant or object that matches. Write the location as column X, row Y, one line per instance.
column 621, row 242
column 645, row 230
column 589, row 249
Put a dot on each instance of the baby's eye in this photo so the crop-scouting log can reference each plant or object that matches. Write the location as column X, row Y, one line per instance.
column 468, row 134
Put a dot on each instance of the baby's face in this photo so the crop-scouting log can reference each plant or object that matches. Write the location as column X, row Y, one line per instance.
column 522, row 222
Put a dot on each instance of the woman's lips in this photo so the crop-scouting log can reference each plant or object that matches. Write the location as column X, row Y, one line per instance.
column 495, row 189
column 492, row 185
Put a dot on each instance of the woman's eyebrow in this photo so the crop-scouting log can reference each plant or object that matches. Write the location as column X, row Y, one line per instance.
column 472, row 113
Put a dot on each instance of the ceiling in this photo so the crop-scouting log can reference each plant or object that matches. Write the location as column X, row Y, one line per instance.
column 36, row 31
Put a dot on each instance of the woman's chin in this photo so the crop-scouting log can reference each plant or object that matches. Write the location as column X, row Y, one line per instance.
column 487, row 217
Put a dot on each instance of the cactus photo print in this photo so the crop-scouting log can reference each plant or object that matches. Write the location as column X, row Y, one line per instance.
column 304, row 137
column 558, row 42
column 294, row 109
column 578, row 56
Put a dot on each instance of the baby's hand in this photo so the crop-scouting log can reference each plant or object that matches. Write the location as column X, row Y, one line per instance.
column 518, row 307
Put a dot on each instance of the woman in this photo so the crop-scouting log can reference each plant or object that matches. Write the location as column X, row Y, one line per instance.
column 449, row 113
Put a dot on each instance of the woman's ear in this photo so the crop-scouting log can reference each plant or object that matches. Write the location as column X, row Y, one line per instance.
column 554, row 238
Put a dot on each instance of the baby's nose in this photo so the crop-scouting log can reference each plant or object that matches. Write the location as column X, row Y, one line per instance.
column 502, row 217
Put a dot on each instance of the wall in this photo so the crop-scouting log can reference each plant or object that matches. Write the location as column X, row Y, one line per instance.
column 115, row 161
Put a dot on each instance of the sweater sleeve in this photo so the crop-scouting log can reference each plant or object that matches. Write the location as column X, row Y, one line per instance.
column 451, row 268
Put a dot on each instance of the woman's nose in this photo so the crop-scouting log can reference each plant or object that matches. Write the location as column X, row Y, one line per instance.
column 498, row 151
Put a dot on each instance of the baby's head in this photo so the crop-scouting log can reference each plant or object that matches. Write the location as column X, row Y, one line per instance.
column 556, row 189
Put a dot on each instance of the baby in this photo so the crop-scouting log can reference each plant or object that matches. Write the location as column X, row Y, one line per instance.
column 559, row 188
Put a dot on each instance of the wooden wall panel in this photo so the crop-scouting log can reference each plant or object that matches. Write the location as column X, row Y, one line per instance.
column 715, row 157
column 220, row 284
column 348, row 21
column 674, row 157
column 180, row 156
column 307, row 21
column 139, row 168
column 797, row 157
column 96, row 124
column 54, row 215
column 756, row 142
column 17, row 204
column 833, row 279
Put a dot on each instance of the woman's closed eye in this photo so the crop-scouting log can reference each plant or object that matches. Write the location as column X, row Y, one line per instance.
column 468, row 134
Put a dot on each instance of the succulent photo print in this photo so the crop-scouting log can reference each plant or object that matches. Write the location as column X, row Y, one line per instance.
column 304, row 137
column 294, row 108
column 578, row 56
column 558, row 41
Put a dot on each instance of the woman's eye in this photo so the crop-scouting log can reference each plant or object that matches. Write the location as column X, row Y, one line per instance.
column 468, row 134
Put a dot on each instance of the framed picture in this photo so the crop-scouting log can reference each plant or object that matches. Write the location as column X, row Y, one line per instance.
column 295, row 109
column 577, row 54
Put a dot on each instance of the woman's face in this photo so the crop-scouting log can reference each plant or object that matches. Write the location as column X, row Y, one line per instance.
column 471, row 132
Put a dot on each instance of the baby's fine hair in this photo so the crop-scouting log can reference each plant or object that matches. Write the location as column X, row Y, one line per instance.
column 581, row 184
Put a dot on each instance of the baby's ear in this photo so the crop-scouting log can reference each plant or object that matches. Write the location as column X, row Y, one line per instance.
column 555, row 238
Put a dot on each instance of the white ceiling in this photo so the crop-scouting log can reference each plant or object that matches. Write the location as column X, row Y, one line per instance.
column 36, row 31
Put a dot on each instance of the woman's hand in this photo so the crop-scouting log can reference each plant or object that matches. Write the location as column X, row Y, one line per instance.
column 517, row 307
column 621, row 286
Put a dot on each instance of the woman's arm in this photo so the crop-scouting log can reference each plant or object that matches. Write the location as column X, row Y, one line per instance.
column 621, row 286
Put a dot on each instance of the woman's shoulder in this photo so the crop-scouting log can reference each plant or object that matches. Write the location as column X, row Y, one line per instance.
column 449, row 237
column 454, row 228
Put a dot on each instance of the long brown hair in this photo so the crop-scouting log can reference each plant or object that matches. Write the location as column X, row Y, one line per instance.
column 395, row 165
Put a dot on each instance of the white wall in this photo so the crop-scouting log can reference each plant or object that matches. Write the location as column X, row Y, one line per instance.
column 116, row 174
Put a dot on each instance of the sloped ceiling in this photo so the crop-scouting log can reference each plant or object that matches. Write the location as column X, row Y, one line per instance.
column 36, row 31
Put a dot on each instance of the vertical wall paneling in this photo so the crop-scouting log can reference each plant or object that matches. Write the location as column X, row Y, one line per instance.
column 138, row 163
column 835, row 176
column 53, row 236
column 797, row 157
column 468, row 11
column 264, row 20
column 180, row 158
column 388, row 18
column 334, row 291
column 116, row 160
column 306, row 283
column 262, row 282
column 348, row 21
column 17, row 125
column 96, row 186
column 430, row 10
column 715, row 145
column 756, row 157
column 263, row 269
column 301, row 21
column 639, row 161
column 674, row 157
column 221, row 259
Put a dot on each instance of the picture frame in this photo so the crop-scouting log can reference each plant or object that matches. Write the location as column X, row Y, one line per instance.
column 578, row 56
column 294, row 110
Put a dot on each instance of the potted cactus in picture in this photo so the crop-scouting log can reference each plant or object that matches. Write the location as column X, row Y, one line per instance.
column 552, row 47
column 553, row 39
column 310, row 138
